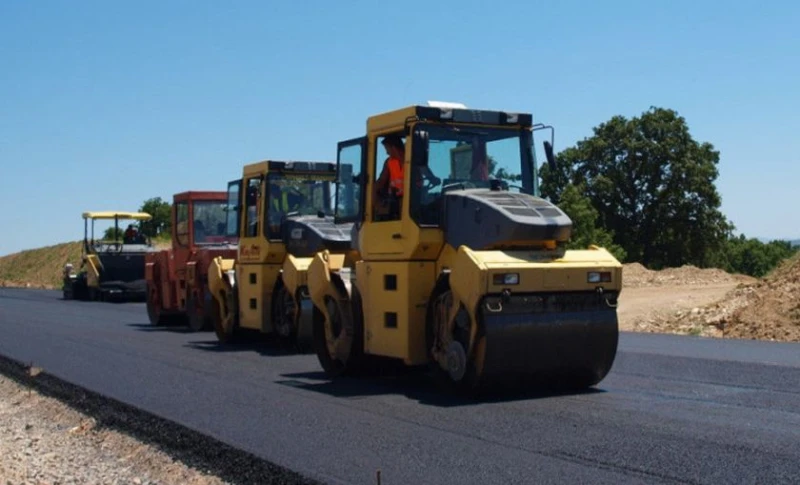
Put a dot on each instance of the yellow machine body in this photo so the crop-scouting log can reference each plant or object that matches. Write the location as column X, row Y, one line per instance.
column 425, row 287
column 263, row 289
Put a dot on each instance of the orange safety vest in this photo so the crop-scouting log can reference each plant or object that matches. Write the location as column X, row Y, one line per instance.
column 396, row 175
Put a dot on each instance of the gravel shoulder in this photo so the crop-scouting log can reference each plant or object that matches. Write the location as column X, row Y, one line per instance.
column 46, row 442
column 55, row 433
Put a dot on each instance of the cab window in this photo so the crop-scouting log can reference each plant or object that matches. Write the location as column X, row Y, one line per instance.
column 253, row 196
column 182, row 223
column 233, row 209
column 460, row 159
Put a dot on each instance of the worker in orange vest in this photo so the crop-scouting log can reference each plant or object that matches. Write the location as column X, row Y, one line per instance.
column 389, row 186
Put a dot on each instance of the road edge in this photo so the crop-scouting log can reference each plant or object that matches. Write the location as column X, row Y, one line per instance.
column 181, row 443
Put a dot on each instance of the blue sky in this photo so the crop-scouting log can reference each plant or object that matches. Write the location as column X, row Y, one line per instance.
column 105, row 104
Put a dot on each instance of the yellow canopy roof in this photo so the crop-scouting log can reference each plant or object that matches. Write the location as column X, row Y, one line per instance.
column 139, row 216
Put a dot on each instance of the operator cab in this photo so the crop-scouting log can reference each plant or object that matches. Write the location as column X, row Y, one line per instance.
column 106, row 232
column 286, row 203
column 201, row 220
column 446, row 148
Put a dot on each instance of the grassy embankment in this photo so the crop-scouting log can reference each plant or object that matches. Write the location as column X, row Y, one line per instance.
column 42, row 267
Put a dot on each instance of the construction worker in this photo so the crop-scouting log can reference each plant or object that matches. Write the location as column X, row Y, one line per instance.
column 284, row 201
column 130, row 235
column 199, row 231
column 281, row 203
column 391, row 178
column 389, row 188
column 252, row 201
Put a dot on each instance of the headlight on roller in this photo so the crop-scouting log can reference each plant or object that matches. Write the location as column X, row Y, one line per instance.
column 598, row 276
column 505, row 279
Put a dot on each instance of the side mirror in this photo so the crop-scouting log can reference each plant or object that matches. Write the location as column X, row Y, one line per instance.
column 419, row 148
column 548, row 152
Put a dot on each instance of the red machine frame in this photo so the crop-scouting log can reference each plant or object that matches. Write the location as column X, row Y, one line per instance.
column 177, row 278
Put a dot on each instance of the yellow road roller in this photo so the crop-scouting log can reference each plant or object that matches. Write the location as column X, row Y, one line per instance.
column 459, row 263
column 282, row 214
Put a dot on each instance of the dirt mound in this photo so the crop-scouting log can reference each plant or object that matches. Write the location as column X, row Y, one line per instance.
column 767, row 309
column 634, row 275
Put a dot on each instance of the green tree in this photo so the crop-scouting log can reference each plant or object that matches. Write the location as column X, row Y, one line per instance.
column 585, row 230
column 652, row 185
column 501, row 173
column 753, row 257
column 112, row 234
column 162, row 217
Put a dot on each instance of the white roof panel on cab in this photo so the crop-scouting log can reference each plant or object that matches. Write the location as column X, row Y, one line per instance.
column 446, row 104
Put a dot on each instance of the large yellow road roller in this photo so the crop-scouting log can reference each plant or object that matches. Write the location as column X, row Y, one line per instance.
column 459, row 263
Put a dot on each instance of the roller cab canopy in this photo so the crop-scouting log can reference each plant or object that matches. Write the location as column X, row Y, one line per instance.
column 139, row 216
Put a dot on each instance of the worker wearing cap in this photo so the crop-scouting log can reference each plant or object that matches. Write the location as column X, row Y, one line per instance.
column 391, row 179
column 390, row 182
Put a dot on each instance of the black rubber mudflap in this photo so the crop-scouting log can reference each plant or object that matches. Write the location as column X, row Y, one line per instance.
column 526, row 345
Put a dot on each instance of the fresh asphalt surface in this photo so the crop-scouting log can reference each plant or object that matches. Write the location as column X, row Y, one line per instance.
column 673, row 409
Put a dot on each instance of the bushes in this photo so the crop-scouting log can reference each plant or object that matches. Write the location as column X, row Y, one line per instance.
column 753, row 257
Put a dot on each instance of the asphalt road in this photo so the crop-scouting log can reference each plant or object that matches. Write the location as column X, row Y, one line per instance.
column 673, row 409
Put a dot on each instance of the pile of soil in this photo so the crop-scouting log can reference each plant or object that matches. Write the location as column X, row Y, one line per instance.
column 767, row 309
column 634, row 275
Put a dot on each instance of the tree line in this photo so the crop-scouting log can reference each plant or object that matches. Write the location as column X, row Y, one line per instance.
column 645, row 189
